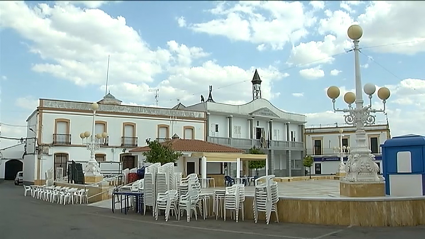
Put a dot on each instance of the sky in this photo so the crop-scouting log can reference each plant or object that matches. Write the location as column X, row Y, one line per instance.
column 59, row 50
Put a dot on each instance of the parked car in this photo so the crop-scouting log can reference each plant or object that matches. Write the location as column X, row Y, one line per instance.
column 19, row 178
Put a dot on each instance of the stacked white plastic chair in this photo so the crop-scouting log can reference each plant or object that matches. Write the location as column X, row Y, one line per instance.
column 234, row 200
column 266, row 198
column 177, row 180
column 189, row 190
column 164, row 178
column 149, row 192
column 168, row 202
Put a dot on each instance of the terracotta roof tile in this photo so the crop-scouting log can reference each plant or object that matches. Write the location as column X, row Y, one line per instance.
column 193, row 145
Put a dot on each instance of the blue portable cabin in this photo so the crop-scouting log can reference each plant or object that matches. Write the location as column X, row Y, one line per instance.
column 403, row 160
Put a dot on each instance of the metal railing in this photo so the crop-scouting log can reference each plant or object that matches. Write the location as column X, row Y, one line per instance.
column 104, row 141
column 248, row 143
column 129, row 141
column 61, row 139
column 162, row 139
column 328, row 151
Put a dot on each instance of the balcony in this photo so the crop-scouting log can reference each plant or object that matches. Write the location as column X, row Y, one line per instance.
column 329, row 151
column 103, row 141
column 129, row 141
column 61, row 139
column 249, row 143
column 162, row 139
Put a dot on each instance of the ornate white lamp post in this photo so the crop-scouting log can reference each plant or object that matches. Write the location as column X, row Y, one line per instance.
column 342, row 150
column 93, row 143
column 360, row 166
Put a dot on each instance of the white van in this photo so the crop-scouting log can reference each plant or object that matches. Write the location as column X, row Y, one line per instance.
column 19, row 178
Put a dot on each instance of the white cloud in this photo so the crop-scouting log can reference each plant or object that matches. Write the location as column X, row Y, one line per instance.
column 378, row 17
column 246, row 21
column 318, row 5
column 28, row 102
column 409, row 92
column 134, row 66
column 261, row 47
column 348, row 5
column 312, row 73
column 335, row 72
column 298, row 94
column 181, row 21
column 4, row 77
column 79, row 55
column 88, row 4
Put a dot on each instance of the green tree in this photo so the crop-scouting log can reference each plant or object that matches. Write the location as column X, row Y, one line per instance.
column 308, row 162
column 258, row 163
column 161, row 153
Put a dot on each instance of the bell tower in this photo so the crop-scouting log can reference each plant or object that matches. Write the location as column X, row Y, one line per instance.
column 256, row 86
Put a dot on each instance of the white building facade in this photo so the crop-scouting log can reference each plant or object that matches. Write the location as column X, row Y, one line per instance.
column 56, row 126
column 257, row 123
column 324, row 145
column 11, row 160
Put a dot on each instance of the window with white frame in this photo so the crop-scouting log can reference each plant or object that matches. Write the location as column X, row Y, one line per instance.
column 237, row 131
column 276, row 134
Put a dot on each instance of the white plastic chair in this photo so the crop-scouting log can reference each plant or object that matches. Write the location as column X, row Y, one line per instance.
column 27, row 189
column 189, row 203
column 166, row 201
column 81, row 196
column 234, row 200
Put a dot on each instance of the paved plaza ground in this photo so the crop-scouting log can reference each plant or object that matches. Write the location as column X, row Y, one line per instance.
column 26, row 217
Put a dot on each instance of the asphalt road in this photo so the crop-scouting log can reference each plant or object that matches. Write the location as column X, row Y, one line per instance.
column 26, row 217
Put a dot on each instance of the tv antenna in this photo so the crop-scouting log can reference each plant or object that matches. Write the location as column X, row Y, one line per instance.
column 107, row 78
column 156, row 95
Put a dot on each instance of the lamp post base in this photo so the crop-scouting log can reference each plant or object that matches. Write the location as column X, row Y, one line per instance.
column 92, row 168
column 341, row 170
column 362, row 189
column 361, row 167
column 92, row 179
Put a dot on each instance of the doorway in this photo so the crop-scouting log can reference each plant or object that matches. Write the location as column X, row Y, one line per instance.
column 11, row 168
column 128, row 161
column 190, row 167
column 318, row 168
column 258, row 133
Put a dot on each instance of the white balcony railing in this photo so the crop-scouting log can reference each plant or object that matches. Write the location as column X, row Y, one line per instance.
column 248, row 143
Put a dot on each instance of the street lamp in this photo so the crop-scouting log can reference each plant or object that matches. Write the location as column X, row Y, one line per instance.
column 93, row 143
column 360, row 165
column 341, row 150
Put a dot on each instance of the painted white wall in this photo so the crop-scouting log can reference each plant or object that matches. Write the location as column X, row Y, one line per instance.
column 331, row 167
column 243, row 123
column 222, row 123
column 331, row 138
column 279, row 131
column 145, row 127
column 15, row 152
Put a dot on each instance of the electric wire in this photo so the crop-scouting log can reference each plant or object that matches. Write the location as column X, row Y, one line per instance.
column 312, row 62
column 383, row 67
column 285, row 69
column 394, row 44
column 14, row 125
